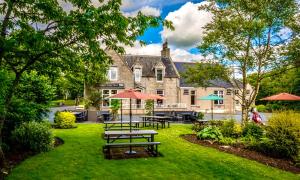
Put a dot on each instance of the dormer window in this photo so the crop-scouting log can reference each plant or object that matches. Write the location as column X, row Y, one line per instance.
column 112, row 74
column 137, row 74
column 159, row 75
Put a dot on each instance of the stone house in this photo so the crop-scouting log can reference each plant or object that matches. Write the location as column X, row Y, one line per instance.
column 160, row 75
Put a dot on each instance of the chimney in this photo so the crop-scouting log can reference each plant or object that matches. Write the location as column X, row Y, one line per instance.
column 165, row 52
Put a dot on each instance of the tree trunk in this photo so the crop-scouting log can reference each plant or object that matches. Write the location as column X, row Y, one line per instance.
column 8, row 98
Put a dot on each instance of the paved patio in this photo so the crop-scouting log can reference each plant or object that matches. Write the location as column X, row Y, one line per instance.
column 236, row 116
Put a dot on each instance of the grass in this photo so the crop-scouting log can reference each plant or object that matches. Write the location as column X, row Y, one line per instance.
column 81, row 158
column 70, row 102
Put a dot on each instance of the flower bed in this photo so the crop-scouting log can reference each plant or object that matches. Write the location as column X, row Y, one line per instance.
column 242, row 151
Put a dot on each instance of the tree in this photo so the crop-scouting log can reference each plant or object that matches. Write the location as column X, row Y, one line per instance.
column 246, row 33
column 200, row 74
column 42, row 36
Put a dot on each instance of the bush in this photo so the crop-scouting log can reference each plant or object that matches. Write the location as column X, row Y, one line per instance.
column 34, row 136
column 64, row 120
column 287, row 119
column 210, row 132
column 261, row 108
column 216, row 123
column 231, row 129
column 273, row 107
column 280, row 142
column 253, row 130
column 228, row 141
column 198, row 127
column 200, row 115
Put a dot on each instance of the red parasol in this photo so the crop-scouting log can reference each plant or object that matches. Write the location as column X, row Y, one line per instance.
column 282, row 97
column 130, row 94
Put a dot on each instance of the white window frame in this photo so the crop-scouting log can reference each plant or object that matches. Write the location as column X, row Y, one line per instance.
column 160, row 100
column 137, row 74
column 109, row 74
column 162, row 74
column 219, row 93
column 186, row 92
column 108, row 95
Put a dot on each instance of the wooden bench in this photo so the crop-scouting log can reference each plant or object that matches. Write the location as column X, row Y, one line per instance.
column 128, row 137
column 150, row 146
column 121, row 129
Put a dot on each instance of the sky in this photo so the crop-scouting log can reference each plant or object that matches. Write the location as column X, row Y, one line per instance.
column 187, row 20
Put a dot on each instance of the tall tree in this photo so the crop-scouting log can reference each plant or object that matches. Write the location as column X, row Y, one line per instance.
column 42, row 35
column 247, row 34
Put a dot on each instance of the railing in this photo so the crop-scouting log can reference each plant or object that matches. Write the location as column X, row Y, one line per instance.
column 156, row 106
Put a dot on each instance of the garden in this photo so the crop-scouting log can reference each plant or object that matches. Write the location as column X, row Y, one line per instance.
column 275, row 144
column 219, row 148
column 81, row 157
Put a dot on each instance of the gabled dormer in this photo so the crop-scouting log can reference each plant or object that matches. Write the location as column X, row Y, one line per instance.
column 160, row 71
column 137, row 70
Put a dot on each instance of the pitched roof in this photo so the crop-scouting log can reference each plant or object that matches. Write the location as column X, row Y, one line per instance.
column 149, row 62
column 181, row 68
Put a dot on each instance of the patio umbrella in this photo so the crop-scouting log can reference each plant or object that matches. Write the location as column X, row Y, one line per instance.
column 282, row 97
column 212, row 98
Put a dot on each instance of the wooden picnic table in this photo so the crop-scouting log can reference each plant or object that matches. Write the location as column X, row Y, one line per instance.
column 128, row 134
column 112, row 136
column 110, row 124
column 157, row 119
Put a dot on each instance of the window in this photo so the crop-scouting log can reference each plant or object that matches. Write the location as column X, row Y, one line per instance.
column 236, row 92
column 137, row 74
column 237, row 102
column 228, row 92
column 159, row 74
column 160, row 101
column 185, row 92
column 247, row 91
column 220, row 94
column 113, row 74
column 193, row 97
column 138, row 101
column 105, row 94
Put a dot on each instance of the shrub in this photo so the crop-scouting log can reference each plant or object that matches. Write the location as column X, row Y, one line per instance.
column 149, row 107
column 252, row 130
column 287, row 119
column 280, row 142
column 34, row 136
column 200, row 115
column 273, row 107
column 210, row 132
column 228, row 141
column 261, row 108
column 231, row 129
column 216, row 123
column 249, row 141
column 64, row 120
column 198, row 127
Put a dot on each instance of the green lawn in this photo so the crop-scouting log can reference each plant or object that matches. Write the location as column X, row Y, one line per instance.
column 81, row 158
column 70, row 102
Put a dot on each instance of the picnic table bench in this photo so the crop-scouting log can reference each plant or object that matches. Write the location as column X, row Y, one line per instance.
column 156, row 119
column 112, row 136
column 120, row 125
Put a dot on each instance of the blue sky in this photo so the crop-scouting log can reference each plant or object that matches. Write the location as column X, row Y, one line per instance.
column 152, row 35
column 187, row 20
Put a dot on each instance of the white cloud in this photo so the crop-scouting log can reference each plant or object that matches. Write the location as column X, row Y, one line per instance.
column 154, row 49
column 188, row 22
column 132, row 5
column 146, row 10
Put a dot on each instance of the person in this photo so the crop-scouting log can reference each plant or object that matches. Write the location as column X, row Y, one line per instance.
column 256, row 116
